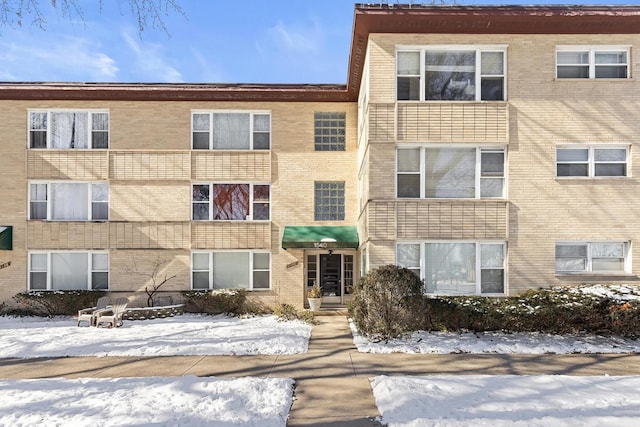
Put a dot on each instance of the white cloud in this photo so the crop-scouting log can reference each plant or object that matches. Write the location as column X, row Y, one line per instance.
column 150, row 62
column 205, row 71
column 38, row 56
column 296, row 39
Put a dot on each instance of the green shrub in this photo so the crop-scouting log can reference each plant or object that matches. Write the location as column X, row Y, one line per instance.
column 231, row 302
column 55, row 303
column 288, row 312
column 387, row 303
column 557, row 310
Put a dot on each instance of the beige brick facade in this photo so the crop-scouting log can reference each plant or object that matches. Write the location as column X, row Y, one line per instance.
column 150, row 166
column 541, row 113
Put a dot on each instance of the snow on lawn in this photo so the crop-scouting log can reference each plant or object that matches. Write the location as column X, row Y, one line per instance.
column 616, row 292
column 181, row 401
column 496, row 342
column 181, row 335
column 504, row 400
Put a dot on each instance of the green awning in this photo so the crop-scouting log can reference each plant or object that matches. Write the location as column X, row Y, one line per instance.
column 320, row 237
column 6, row 237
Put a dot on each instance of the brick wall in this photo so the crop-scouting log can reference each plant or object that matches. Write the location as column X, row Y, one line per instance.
column 542, row 113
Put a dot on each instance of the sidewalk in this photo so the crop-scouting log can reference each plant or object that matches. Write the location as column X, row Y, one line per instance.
column 332, row 378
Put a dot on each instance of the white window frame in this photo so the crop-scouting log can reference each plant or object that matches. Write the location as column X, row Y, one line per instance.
column 252, row 269
column 90, row 268
column 592, row 50
column 90, row 201
column 478, row 170
column 422, row 49
column 591, row 161
column 251, row 201
column 589, row 257
column 478, row 264
column 90, row 129
column 251, row 114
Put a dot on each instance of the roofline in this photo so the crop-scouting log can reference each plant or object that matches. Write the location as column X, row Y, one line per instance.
column 174, row 92
column 394, row 18
column 368, row 19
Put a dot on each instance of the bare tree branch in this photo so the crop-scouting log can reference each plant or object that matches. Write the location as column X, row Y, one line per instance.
column 157, row 281
column 147, row 13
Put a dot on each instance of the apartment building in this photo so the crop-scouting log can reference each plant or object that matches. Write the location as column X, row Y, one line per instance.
column 489, row 149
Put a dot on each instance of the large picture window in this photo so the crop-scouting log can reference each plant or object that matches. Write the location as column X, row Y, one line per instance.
column 451, row 73
column 68, row 270
column 69, row 129
column 231, row 202
column 592, row 161
column 586, row 62
column 444, row 172
column 231, row 270
column 456, row 268
column 592, row 257
column 69, row 201
column 231, row 130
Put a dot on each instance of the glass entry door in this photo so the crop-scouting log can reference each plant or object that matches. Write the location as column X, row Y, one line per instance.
column 331, row 275
column 334, row 273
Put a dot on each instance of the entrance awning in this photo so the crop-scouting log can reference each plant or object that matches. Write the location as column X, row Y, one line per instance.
column 320, row 237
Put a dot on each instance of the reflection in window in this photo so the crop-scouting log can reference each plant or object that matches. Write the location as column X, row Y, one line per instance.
column 451, row 74
column 590, row 63
column 456, row 268
column 582, row 257
column 450, row 172
column 231, row 202
column 68, row 129
column 591, row 161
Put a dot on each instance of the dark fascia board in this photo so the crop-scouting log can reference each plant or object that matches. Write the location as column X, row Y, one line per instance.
column 174, row 92
column 393, row 18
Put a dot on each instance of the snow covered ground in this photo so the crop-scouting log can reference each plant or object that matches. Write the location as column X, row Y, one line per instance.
column 496, row 342
column 186, row 335
column 183, row 401
column 403, row 401
column 503, row 343
column 507, row 400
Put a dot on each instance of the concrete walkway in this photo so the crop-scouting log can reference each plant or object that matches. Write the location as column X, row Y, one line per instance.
column 332, row 379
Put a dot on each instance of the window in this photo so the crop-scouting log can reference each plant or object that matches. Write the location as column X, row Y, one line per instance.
column 591, row 161
column 68, row 271
column 329, row 131
column 225, row 130
column 329, row 201
column 231, row 202
column 69, row 201
column 591, row 257
column 231, row 270
column 580, row 62
column 450, row 172
column 456, row 73
column 68, row 129
column 456, row 268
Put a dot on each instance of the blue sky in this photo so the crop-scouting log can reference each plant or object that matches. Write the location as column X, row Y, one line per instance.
column 217, row 41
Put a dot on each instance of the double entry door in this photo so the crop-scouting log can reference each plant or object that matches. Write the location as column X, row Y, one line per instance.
column 334, row 273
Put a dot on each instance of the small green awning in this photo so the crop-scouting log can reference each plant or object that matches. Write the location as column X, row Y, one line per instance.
column 320, row 237
column 6, row 237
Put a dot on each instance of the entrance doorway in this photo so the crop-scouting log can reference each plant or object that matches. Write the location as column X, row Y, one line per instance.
column 334, row 273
